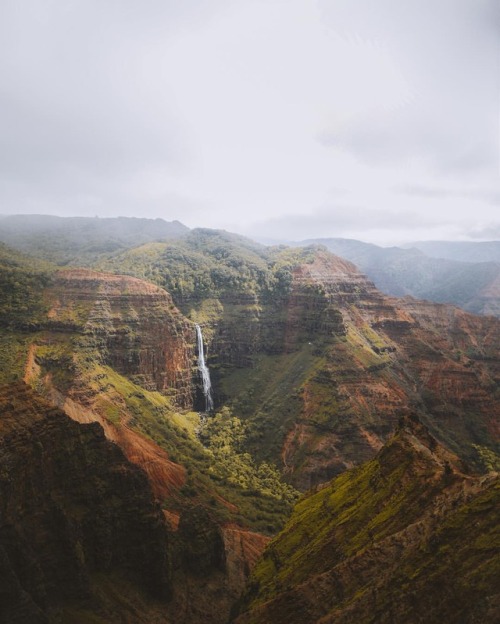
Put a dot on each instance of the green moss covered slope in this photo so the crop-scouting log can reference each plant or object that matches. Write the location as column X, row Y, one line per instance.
column 407, row 537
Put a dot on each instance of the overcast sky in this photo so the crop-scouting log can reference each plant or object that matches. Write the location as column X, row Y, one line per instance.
column 368, row 119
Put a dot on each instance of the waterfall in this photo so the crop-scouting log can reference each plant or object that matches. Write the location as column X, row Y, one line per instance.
column 205, row 374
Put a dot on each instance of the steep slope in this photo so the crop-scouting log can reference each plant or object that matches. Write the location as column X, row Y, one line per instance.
column 471, row 284
column 78, row 523
column 155, row 350
column 314, row 360
column 351, row 360
column 407, row 538
column 312, row 367
column 114, row 350
column 76, row 538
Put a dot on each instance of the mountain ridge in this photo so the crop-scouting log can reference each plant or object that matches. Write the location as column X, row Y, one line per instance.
column 477, row 251
column 474, row 286
column 377, row 544
column 61, row 239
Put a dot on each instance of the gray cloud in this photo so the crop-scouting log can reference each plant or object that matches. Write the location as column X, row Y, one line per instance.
column 449, row 51
column 490, row 197
column 79, row 111
column 342, row 220
column 488, row 232
column 224, row 113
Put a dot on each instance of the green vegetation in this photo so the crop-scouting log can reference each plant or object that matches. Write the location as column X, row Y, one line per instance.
column 270, row 408
column 358, row 508
column 278, row 358
column 207, row 264
column 384, row 529
column 14, row 348
column 225, row 436
column 56, row 357
column 220, row 472
column 487, row 459
column 254, row 495
column 220, row 475
column 23, row 308
column 78, row 241
column 22, row 281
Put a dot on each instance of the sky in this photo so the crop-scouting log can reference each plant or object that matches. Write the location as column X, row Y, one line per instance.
column 279, row 119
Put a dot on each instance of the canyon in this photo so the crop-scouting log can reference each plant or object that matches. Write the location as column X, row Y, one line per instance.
column 311, row 369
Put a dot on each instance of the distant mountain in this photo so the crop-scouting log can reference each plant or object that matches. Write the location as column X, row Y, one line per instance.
column 474, row 286
column 488, row 251
column 70, row 240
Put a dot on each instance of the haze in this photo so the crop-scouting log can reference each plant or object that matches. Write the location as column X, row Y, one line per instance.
column 283, row 119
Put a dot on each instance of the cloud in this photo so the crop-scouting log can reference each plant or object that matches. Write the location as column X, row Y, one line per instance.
column 342, row 221
column 490, row 197
column 78, row 108
column 487, row 232
column 231, row 113
column 448, row 53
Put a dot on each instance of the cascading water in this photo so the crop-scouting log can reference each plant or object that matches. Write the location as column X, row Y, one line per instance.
column 204, row 372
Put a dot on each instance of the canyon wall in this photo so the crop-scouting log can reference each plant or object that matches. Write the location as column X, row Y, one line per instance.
column 132, row 324
column 72, row 508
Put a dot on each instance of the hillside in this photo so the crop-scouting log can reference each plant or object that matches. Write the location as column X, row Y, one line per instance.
column 315, row 363
column 408, row 537
column 78, row 523
column 470, row 280
column 79, row 240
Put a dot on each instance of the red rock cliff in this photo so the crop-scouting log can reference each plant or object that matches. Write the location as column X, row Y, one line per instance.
column 134, row 324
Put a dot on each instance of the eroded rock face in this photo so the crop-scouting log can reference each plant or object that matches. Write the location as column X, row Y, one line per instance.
column 255, row 324
column 406, row 538
column 71, row 507
column 202, row 542
column 133, row 324
column 398, row 355
column 90, row 315
column 75, row 516
column 348, row 361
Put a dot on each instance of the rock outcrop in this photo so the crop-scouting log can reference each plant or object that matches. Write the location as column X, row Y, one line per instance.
column 211, row 565
column 407, row 538
column 81, row 535
column 133, row 325
column 316, row 359
column 408, row 354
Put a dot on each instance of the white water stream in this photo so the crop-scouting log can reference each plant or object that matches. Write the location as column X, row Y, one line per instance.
column 204, row 372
